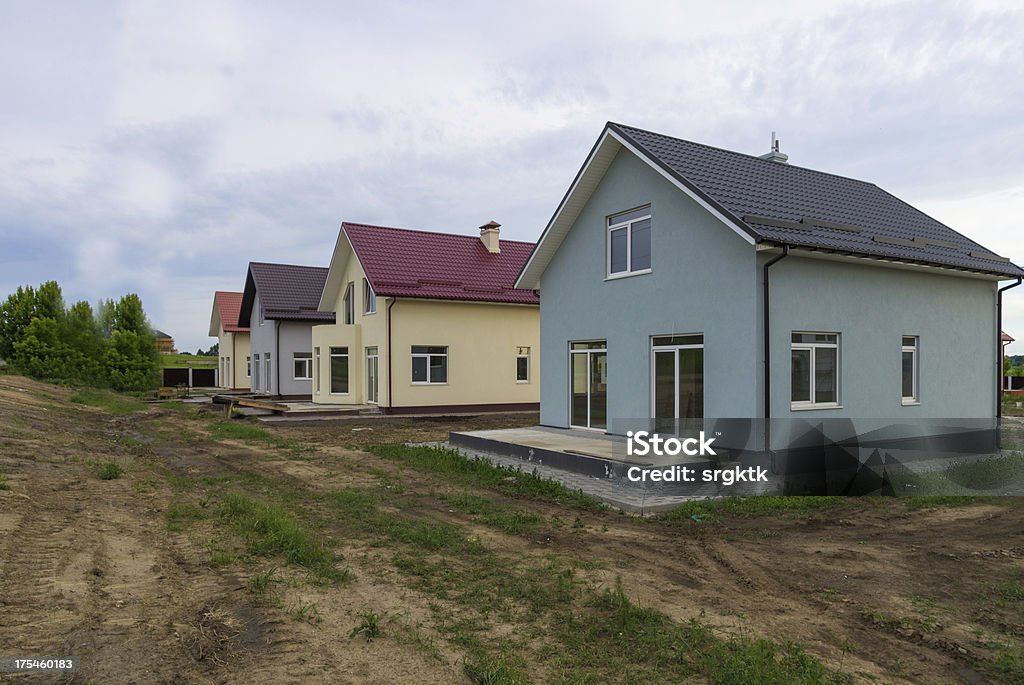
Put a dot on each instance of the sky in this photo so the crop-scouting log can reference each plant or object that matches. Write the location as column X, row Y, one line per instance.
column 159, row 147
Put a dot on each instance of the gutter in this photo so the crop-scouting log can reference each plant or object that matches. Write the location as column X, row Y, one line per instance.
column 390, row 396
column 999, row 346
column 766, row 324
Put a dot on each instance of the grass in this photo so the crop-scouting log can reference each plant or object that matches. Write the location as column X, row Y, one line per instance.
column 178, row 361
column 119, row 405
column 457, row 468
column 109, row 470
column 179, row 515
column 504, row 518
column 1009, row 591
column 244, row 431
column 484, row 668
column 270, row 529
column 766, row 505
column 983, row 477
column 368, row 626
column 4, row 485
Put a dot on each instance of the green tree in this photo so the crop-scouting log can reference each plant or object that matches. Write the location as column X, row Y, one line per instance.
column 24, row 305
column 131, row 361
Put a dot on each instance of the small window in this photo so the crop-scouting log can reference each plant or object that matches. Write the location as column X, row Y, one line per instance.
column 303, row 364
column 339, row 370
column 814, row 371
column 248, row 367
column 350, row 305
column 369, row 298
column 523, row 365
column 910, row 370
column 268, row 377
column 429, row 364
column 629, row 242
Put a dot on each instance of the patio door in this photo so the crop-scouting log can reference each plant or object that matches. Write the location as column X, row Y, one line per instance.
column 588, row 368
column 677, row 381
column 371, row 375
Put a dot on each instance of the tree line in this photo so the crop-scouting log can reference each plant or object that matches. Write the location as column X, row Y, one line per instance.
column 113, row 346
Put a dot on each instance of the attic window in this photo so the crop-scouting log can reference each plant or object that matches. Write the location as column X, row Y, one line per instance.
column 369, row 298
column 629, row 243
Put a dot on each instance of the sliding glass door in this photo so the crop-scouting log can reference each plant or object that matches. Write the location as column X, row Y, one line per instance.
column 677, row 381
column 588, row 401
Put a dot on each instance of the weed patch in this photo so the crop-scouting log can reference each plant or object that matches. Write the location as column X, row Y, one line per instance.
column 109, row 470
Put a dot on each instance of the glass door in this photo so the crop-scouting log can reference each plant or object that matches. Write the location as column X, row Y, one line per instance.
column 677, row 381
column 588, row 403
column 371, row 375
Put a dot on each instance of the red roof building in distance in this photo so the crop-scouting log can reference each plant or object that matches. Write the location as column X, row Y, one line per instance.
column 405, row 263
column 228, row 305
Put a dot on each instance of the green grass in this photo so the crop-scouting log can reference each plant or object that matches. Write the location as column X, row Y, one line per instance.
column 1010, row 591
column 369, row 625
column 484, row 668
column 270, row 530
column 119, row 405
column 767, row 505
column 985, row 477
column 459, row 469
column 178, row 361
column 4, row 485
column 109, row 470
column 244, row 431
column 506, row 519
column 180, row 515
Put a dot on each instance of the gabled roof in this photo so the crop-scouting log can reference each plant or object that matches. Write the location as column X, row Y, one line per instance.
column 160, row 335
column 772, row 203
column 286, row 292
column 1006, row 337
column 226, row 306
column 400, row 262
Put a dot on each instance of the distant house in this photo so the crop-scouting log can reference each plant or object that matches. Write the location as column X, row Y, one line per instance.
column 164, row 342
column 235, row 362
column 681, row 281
column 279, row 306
column 427, row 321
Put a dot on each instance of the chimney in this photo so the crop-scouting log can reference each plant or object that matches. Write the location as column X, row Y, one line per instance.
column 489, row 233
column 774, row 155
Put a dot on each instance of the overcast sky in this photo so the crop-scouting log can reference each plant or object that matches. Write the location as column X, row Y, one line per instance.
column 159, row 147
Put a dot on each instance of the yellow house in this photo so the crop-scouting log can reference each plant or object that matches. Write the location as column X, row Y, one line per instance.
column 427, row 322
column 234, row 366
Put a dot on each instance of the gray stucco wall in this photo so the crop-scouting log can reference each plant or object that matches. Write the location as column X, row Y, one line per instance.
column 872, row 307
column 703, row 280
column 706, row 279
column 295, row 336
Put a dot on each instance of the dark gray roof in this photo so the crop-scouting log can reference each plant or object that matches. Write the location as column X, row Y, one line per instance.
column 286, row 291
column 786, row 204
column 161, row 335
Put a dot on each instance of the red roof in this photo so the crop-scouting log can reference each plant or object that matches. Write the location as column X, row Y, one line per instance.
column 443, row 266
column 228, row 305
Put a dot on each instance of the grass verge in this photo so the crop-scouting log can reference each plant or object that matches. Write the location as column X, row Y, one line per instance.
column 119, row 405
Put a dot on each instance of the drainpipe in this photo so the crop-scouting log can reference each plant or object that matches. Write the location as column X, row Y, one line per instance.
column 999, row 346
column 277, row 351
column 234, row 360
column 390, row 396
column 766, row 320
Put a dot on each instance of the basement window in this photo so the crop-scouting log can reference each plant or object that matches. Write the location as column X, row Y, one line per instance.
column 814, row 378
column 629, row 243
column 429, row 364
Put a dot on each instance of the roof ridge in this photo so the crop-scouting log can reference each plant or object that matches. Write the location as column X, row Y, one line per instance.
column 293, row 266
column 428, row 231
column 741, row 154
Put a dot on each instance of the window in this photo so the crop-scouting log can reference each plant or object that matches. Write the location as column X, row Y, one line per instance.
column 523, row 365
column 316, row 370
column 303, row 364
column 256, row 369
column 339, row 370
column 429, row 365
column 350, row 306
column 248, row 367
column 227, row 372
column 910, row 370
column 369, row 298
column 267, row 380
column 815, row 370
column 629, row 242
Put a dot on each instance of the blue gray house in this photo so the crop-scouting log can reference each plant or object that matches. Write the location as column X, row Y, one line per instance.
column 279, row 306
column 680, row 281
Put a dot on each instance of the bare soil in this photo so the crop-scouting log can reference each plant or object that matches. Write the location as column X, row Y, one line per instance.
column 877, row 590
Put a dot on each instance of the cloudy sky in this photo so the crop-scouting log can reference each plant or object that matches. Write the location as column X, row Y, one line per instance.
column 159, row 147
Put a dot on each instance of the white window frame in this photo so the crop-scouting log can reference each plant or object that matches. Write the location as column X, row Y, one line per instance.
column 268, row 366
column 296, row 358
column 428, row 356
column 257, row 381
column 350, row 304
column 523, row 352
column 813, row 346
column 628, row 226
column 369, row 298
column 348, row 369
column 674, row 348
column 914, row 349
column 316, row 370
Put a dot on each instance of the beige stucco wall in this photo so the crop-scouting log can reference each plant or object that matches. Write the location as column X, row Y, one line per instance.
column 235, row 346
column 482, row 341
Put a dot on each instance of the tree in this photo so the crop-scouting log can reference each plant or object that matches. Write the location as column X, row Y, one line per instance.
column 23, row 305
column 131, row 361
